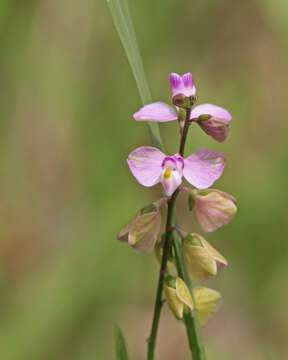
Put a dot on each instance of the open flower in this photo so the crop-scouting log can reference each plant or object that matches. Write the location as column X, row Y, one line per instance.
column 202, row 259
column 213, row 119
column 213, row 208
column 143, row 230
column 182, row 84
column 150, row 166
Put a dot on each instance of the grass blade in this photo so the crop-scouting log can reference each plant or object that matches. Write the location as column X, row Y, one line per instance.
column 120, row 345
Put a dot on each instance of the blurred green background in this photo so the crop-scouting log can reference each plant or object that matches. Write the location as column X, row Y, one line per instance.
column 67, row 97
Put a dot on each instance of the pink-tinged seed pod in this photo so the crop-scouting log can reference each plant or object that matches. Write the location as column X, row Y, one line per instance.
column 142, row 232
column 202, row 260
column 213, row 119
column 213, row 208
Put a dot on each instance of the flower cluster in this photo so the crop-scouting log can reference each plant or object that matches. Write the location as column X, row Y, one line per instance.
column 211, row 208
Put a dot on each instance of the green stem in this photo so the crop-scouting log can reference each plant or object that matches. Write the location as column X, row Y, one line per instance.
column 185, row 132
column 163, row 268
column 122, row 20
column 192, row 323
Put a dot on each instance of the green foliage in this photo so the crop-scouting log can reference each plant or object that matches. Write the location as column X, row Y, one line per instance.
column 120, row 345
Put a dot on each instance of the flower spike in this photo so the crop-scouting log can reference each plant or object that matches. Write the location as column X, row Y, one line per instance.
column 213, row 119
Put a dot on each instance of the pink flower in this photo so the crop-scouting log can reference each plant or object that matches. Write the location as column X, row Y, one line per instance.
column 213, row 119
column 182, row 84
column 150, row 166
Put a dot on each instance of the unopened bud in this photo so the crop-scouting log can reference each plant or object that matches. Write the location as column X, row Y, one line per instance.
column 182, row 101
column 143, row 230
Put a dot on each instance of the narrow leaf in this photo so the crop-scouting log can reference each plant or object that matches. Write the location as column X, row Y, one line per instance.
column 125, row 29
column 120, row 345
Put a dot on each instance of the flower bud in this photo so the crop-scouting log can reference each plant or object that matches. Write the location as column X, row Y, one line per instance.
column 206, row 302
column 202, row 259
column 178, row 296
column 213, row 208
column 143, row 230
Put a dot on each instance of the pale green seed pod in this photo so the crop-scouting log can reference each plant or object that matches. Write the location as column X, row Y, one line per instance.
column 178, row 297
column 202, row 259
column 207, row 302
column 143, row 230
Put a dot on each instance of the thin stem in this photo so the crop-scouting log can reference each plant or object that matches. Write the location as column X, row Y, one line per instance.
column 185, row 132
column 163, row 267
column 191, row 322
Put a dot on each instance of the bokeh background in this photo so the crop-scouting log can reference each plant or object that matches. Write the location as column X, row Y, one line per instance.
column 67, row 97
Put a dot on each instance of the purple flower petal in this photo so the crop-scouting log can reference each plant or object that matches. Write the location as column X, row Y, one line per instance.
column 182, row 84
column 203, row 167
column 157, row 111
column 145, row 164
column 210, row 109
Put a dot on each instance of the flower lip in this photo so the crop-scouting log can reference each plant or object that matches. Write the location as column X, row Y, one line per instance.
column 174, row 162
column 169, row 162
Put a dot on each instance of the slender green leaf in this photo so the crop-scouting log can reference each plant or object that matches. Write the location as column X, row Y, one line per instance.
column 120, row 345
column 125, row 29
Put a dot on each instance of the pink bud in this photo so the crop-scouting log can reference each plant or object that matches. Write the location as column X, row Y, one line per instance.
column 213, row 208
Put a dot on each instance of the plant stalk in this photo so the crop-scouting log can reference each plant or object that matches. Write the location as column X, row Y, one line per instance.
column 163, row 268
column 124, row 26
column 191, row 323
